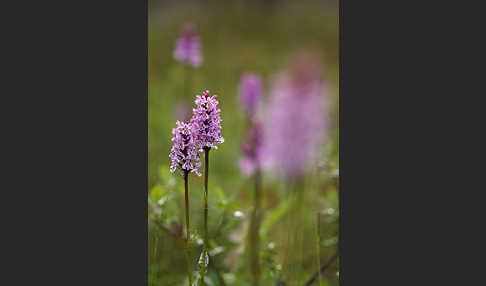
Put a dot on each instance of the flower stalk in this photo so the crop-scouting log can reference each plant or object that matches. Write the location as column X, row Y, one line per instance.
column 187, row 82
column 250, row 91
column 318, row 246
column 188, row 236
column 185, row 157
column 254, row 231
column 205, row 233
column 206, row 122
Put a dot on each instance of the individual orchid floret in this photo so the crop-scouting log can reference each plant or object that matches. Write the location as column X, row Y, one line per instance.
column 188, row 47
column 184, row 153
column 206, row 121
column 250, row 91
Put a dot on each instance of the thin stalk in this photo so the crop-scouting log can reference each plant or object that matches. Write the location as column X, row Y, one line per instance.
column 205, row 244
column 299, row 227
column 289, row 227
column 323, row 269
column 188, row 239
column 254, row 231
column 156, row 242
column 187, row 82
column 318, row 245
column 295, row 230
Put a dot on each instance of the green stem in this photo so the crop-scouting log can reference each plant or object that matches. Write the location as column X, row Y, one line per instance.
column 188, row 238
column 318, row 247
column 300, row 227
column 156, row 242
column 295, row 230
column 254, row 232
column 187, row 82
column 289, row 227
column 205, row 244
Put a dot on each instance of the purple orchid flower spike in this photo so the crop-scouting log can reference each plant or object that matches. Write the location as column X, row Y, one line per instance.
column 184, row 153
column 185, row 156
column 206, row 121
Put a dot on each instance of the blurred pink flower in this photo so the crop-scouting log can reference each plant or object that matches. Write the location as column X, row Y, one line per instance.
column 188, row 47
column 250, row 91
column 251, row 148
column 296, row 125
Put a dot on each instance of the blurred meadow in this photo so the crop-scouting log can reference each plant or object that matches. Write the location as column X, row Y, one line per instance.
column 261, row 37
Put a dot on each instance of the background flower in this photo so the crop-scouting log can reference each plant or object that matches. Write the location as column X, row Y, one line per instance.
column 251, row 148
column 295, row 121
column 250, row 91
column 188, row 47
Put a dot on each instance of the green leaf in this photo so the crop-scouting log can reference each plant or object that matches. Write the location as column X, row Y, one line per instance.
column 157, row 193
column 222, row 200
column 332, row 197
column 220, row 193
column 164, row 174
column 274, row 215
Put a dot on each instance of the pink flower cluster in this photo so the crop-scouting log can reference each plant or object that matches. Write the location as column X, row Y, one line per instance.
column 295, row 122
column 188, row 47
column 184, row 153
column 203, row 131
column 250, row 91
column 206, row 121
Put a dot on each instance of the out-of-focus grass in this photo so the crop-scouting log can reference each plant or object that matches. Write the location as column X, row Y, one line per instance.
column 236, row 37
